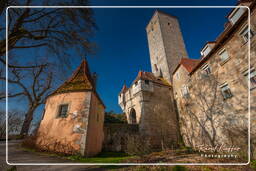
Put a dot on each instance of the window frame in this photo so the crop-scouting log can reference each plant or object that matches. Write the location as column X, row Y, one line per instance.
column 234, row 13
column 221, row 59
column 146, row 82
column 246, row 75
column 59, row 115
column 230, row 94
column 245, row 31
column 184, row 89
column 207, row 69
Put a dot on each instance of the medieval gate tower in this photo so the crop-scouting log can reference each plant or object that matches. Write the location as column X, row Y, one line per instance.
column 166, row 45
column 149, row 101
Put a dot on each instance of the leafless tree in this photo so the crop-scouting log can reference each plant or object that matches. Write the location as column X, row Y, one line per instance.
column 14, row 124
column 53, row 30
column 34, row 84
column 204, row 107
column 56, row 29
column 208, row 115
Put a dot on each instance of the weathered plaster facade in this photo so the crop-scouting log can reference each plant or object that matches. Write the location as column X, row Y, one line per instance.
column 80, row 130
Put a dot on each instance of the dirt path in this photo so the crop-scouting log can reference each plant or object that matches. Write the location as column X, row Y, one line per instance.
column 17, row 155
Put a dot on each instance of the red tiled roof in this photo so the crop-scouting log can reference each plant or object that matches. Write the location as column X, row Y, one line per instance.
column 124, row 89
column 81, row 80
column 189, row 64
column 226, row 34
column 143, row 75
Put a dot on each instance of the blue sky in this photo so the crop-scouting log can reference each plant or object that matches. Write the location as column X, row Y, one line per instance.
column 122, row 40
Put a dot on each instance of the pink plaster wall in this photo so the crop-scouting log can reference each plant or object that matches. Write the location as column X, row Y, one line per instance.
column 58, row 132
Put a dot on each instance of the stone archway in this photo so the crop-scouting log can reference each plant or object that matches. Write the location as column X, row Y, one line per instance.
column 132, row 116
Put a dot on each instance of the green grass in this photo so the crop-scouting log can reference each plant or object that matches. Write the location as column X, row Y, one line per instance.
column 179, row 168
column 104, row 157
column 253, row 164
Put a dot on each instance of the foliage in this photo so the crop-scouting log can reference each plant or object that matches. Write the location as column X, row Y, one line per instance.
column 111, row 117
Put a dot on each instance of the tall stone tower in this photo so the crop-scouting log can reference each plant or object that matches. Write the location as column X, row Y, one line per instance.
column 166, row 45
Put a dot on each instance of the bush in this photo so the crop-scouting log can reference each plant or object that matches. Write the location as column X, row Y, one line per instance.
column 29, row 142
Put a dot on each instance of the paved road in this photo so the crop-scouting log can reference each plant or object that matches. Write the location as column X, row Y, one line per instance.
column 17, row 155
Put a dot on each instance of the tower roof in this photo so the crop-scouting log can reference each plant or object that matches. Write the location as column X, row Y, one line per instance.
column 124, row 89
column 189, row 64
column 81, row 80
column 143, row 75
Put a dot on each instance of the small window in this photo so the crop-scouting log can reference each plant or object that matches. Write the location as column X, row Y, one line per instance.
column 223, row 55
column 246, row 33
column 206, row 50
column 252, row 78
column 177, row 76
column 226, row 92
column 207, row 69
column 156, row 68
column 184, row 91
column 63, row 110
column 236, row 14
column 136, row 83
column 147, row 82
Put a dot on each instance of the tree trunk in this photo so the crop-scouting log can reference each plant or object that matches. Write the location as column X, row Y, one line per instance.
column 27, row 121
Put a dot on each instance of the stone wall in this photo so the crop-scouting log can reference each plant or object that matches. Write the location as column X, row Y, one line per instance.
column 159, row 121
column 230, row 116
column 115, row 136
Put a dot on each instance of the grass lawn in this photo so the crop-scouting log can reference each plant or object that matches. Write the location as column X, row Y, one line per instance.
column 103, row 157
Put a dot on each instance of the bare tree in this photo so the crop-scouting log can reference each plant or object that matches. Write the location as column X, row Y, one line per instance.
column 212, row 117
column 53, row 30
column 203, row 107
column 14, row 124
column 56, row 29
column 35, row 84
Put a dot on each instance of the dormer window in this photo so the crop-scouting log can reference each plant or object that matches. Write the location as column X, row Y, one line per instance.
column 245, row 33
column 207, row 48
column 236, row 14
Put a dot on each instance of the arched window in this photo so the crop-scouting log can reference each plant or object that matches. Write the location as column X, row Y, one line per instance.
column 133, row 116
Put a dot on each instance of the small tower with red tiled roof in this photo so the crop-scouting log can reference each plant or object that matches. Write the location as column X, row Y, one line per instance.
column 74, row 116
